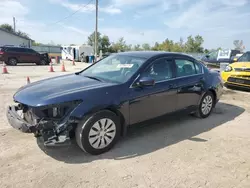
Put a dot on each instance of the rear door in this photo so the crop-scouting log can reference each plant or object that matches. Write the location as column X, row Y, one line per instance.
column 15, row 52
column 190, row 82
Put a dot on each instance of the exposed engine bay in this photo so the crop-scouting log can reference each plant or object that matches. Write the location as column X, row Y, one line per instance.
column 52, row 122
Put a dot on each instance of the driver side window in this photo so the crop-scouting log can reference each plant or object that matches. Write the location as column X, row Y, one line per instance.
column 160, row 70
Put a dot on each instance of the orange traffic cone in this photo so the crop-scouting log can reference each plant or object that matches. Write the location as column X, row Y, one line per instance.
column 63, row 67
column 73, row 62
column 5, row 71
column 51, row 68
column 28, row 80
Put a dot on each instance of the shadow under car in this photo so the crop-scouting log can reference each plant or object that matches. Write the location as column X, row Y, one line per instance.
column 144, row 139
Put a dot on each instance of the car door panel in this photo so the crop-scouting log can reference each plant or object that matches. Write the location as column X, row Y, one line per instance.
column 150, row 102
column 189, row 91
column 190, row 83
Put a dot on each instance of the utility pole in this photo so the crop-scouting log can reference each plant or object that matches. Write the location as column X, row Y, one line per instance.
column 96, row 28
column 14, row 24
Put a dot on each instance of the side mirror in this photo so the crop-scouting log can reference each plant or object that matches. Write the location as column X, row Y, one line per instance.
column 207, row 56
column 146, row 81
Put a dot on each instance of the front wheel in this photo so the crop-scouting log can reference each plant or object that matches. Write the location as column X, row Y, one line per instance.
column 98, row 133
column 206, row 105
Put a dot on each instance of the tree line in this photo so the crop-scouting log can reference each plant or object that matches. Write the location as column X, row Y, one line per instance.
column 192, row 44
column 10, row 29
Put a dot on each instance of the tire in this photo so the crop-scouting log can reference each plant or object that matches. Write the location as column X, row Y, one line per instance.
column 43, row 62
column 89, row 136
column 12, row 61
column 206, row 105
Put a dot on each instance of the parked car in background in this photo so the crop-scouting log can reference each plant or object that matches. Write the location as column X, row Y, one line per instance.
column 220, row 56
column 14, row 55
column 96, row 105
column 237, row 74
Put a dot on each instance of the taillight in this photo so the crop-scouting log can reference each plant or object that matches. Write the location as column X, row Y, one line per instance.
column 1, row 53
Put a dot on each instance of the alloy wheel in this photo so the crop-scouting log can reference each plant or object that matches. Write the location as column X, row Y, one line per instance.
column 207, row 105
column 102, row 133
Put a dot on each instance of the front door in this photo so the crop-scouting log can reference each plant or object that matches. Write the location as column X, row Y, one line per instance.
column 153, row 101
column 31, row 56
column 190, row 83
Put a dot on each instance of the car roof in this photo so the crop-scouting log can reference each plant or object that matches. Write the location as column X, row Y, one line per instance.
column 149, row 54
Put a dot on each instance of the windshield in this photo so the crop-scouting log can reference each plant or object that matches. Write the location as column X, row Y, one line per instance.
column 114, row 68
column 244, row 58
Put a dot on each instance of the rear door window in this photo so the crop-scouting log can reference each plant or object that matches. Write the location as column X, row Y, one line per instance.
column 19, row 50
column 184, row 68
column 198, row 68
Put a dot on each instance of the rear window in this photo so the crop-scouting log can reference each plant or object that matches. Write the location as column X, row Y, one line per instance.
column 15, row 49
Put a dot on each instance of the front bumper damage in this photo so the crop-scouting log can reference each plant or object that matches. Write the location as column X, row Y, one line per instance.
column 53, row 132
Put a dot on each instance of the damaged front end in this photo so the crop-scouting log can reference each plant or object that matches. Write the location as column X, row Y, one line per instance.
column 53, row 122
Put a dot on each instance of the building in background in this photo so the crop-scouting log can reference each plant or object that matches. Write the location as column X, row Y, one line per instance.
column 12, row 39
column 53, row 51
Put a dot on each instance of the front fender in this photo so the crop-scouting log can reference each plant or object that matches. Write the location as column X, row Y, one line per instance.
column 89, row 107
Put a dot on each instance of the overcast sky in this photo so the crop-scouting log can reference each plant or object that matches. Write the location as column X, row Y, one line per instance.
column 138, row 21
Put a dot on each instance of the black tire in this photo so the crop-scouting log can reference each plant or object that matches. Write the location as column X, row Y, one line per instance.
column 87, row 124
column 201, row 111
column 43, row 62
column 12, row 61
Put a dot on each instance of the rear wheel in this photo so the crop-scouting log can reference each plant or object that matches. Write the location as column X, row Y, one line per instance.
column 12, row 61
column 206, row 105
column 98, row 133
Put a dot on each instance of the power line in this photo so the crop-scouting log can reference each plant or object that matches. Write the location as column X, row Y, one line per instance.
column 96, row 26
column 81, row 7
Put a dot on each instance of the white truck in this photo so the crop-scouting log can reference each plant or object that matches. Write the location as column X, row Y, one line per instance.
column 77, row 52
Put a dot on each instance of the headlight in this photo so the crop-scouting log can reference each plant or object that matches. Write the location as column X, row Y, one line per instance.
column 58, row 110
column 228, row 68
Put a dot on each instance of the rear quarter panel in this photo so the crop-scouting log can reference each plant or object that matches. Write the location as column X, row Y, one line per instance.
column 214, row 82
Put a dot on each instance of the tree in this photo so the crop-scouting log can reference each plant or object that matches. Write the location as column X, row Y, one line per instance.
column 156, row 47
column 105, row 44
column 137, row 47
column 7, row 27
column 238, row 45
column 206, row 51
column 194, row 44
column 120, row 45
column 146, row 46
column 34, row 43
column 23, row 34
column 91, row 40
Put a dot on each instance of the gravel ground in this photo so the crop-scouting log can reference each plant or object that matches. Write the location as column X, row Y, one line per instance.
column 178, row 152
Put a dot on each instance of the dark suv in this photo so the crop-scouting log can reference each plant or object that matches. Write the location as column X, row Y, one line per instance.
column 14, row 55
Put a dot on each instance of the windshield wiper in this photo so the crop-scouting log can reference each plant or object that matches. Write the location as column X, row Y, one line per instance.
column 94, row 78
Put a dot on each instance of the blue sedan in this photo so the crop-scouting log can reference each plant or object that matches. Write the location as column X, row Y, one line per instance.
column 96, row 105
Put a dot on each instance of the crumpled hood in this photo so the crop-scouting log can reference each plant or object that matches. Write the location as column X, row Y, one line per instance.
column 58, row 89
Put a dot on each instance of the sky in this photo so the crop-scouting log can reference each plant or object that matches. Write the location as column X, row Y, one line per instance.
column 219, row 22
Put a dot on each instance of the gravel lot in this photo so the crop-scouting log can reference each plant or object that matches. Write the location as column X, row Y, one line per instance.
column 180, row 152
